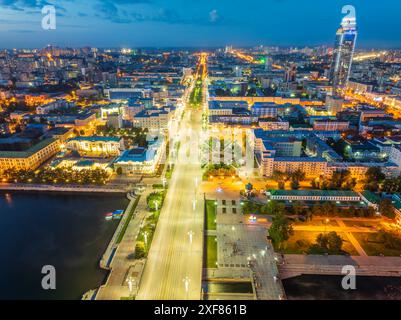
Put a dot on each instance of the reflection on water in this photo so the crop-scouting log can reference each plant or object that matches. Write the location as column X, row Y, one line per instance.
column 67, row 231
column 9, row 199
column 317, row 287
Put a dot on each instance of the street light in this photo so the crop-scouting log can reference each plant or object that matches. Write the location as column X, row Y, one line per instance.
column 190, row 234
column 145, row 237
column 325, row 225
column 130, row 282
column 156, row 205
column 186, row 281
column 194, row 204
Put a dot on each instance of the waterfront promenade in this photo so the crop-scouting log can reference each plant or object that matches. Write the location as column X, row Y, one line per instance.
column 123, row 265
column 109, row 188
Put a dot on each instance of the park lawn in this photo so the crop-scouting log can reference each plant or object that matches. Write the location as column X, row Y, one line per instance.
column 150, row 232
column 316, row 222
column 372, row 247
column 365, row 224
column 169, row 172
column 210, row 215
column 291, row 247
column 211, row 252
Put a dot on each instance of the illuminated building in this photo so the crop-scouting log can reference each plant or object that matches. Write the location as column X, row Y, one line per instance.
column 31, row 158
column 127, row 93
column 96, row 146
column 269, row 125
column 265, row 110
column 110, row 109
column 153, row 119
column 142, row 160
column 395, row 156
column 368, row 112
column 310, row 166
column 334, row 104
column 358, row 170
column 63, row 134
column 226, row 108
column 343, row 53
column 330, row 125
column 290, row 73
column 57, row 104
column 359, row 87
column 314, row 195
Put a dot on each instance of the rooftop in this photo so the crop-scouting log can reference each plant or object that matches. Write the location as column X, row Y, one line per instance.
column 96, row 139
column 370, row 196
column 314, row 193
column 27, row 153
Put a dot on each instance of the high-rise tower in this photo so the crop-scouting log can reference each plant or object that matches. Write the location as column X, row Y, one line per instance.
column 343, row 52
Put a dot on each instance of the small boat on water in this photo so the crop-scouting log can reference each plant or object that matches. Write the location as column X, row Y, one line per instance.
column 118, row 214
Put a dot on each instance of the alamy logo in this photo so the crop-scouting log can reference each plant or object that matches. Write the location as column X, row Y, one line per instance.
column 349, row 280
column 49, row 280
column 49, row 19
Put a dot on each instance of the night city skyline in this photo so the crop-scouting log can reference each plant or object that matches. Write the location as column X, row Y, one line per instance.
column 208, row 156
column 179, row 23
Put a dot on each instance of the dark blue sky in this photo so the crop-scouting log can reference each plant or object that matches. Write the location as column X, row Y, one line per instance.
column 205, row 23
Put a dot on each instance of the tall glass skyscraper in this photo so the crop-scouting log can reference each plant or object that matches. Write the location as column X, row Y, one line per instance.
column 343, row 52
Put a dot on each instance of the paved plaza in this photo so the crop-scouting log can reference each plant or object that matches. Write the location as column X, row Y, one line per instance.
column 243, row 249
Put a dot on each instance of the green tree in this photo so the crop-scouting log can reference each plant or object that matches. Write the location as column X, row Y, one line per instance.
column 119, row 171
column 294, row 184
column 317, row 209
column 373, row 177
column 390, row 240
column 140, row 250
column 251, row 207
column 322, row 241
column 272, row 207
column 155, row 200
column 280, row 230
column 386, row 208
column 297, row 208
column 330, row 243
column 296, row 177
column 334, row 242
column 280, row 178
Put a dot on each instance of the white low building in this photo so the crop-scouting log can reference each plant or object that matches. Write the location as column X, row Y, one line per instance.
column 96, row 146
column 141, row 160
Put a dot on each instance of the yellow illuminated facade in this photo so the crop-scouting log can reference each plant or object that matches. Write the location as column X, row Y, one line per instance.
column 31, row 158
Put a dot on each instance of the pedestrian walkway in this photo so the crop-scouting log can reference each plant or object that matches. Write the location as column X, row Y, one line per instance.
column 116, row 285
column 351, row 238
column 244, row 246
